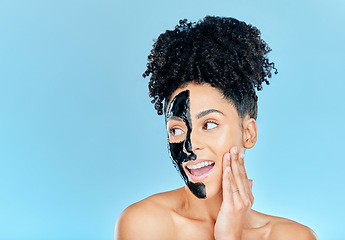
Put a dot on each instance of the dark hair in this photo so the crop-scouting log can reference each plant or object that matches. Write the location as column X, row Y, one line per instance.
column 226, row 53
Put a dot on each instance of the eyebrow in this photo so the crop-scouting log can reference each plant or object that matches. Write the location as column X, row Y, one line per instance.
column 208, row 111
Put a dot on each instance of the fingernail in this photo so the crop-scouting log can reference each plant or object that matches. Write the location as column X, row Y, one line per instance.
column 234, row 150
column 227, row 169
column 242, row 155
column 228, row 157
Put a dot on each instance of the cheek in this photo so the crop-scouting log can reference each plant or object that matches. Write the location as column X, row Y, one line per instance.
column 222, row 141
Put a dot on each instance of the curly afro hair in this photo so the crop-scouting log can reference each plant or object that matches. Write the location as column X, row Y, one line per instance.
column 223, row 52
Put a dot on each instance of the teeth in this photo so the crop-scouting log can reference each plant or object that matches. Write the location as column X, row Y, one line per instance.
column 200, row 165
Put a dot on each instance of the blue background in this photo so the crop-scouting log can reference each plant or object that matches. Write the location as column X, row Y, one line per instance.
column 80, row 140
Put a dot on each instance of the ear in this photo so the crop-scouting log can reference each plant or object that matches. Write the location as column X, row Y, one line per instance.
column 249, row 133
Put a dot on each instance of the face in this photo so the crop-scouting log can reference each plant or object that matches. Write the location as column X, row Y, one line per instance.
column 202, row 126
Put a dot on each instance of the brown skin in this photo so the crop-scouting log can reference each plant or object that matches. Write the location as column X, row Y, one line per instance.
column 225, row 213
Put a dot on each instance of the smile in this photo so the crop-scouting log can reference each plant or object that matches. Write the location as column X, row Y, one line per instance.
column 200, row 170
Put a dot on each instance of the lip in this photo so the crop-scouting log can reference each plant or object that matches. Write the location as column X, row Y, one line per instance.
column 197, row 178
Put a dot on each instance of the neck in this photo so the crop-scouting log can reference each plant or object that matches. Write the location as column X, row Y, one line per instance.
column 202, row 209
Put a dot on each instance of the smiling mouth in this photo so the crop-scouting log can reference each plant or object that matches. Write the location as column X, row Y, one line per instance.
column 200, row 171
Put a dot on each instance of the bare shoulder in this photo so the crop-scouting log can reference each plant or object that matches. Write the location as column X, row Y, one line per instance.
column 285, row 229
column 148, row 219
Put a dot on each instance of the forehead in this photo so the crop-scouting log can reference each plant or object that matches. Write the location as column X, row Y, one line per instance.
column 198, row 97
column 179, row 105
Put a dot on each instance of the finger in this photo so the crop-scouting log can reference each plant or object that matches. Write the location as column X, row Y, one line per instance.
column 226, row 161
column 238, row 177
column 241, row 161
column 234, row 190
column 243, row 172
column 227, row 192
column 231, row 175
column 251, row 183
column 246, row 182
column 226, row 178
column 251, row 191
column 227, row 188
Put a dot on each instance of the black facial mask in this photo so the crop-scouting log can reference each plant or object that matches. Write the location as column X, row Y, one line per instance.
column 181, row 152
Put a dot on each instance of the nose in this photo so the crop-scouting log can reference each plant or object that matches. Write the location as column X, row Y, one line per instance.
column 187, row 146
column 192, row 143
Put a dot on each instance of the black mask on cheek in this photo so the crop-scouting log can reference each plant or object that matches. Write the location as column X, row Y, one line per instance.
column 181, row 152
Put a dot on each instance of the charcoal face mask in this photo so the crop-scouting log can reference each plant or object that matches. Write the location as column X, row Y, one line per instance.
column 181, row 152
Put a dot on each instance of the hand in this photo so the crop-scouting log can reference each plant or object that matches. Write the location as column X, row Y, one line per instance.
column 237, row 197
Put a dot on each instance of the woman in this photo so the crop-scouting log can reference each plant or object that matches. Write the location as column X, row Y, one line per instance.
column 206, row 73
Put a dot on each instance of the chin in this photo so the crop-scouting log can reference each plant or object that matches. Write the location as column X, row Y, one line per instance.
column 211, row 189
column 213, row 185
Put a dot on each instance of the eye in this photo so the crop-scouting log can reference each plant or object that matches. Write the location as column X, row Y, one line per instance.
column 210, row 125
column 175, row 131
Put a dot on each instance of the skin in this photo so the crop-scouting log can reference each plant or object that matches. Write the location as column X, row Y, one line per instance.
column 226, row 212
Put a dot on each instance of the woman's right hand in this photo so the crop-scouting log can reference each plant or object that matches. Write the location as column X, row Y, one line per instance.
column 237, row 197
